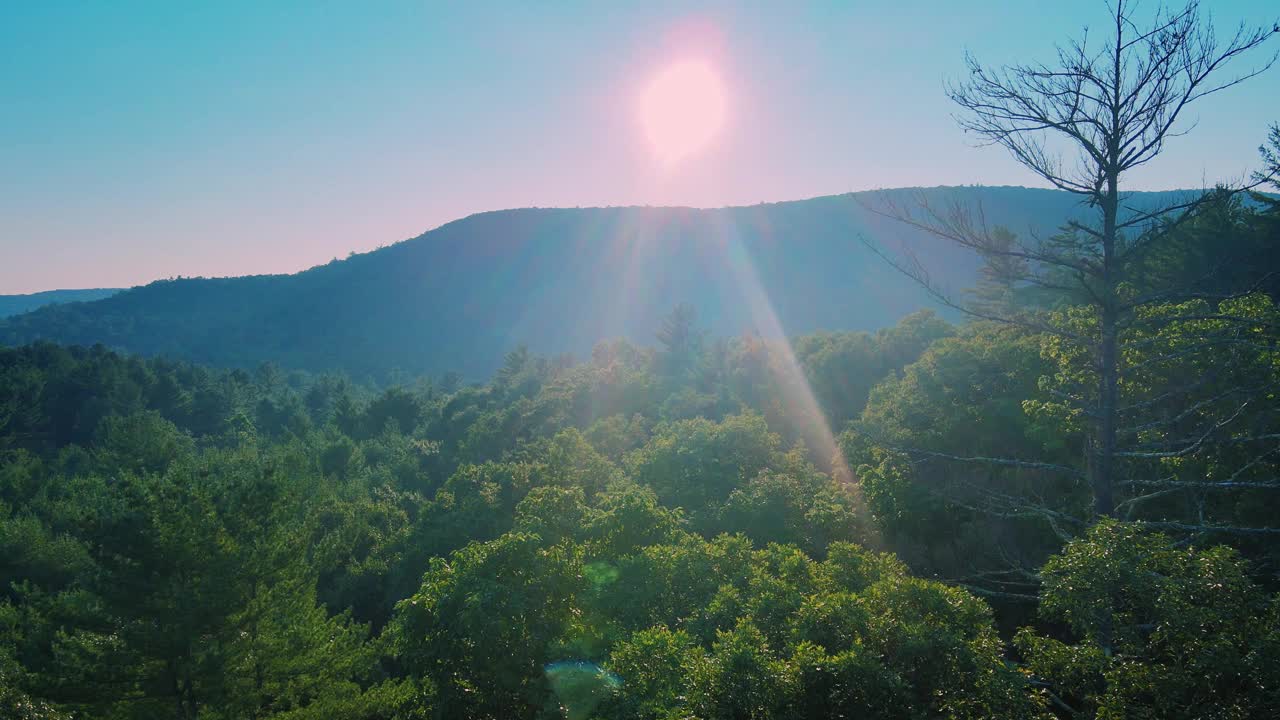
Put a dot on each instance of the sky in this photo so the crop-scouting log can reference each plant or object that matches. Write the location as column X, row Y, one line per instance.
column 145, row 140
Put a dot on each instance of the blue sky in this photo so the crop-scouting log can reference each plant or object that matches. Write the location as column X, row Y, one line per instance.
column 146, row 140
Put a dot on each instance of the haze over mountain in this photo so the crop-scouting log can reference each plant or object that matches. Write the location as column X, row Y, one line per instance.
column 18, row 304
column 557, row 280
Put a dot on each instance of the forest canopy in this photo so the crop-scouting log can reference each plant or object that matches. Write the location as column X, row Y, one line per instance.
column 1056, row 503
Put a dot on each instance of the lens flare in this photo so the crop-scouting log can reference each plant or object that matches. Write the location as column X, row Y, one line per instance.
column 580, row 686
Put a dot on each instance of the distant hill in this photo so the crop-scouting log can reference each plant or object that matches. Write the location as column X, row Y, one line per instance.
column 18, row 304
column 558, row 280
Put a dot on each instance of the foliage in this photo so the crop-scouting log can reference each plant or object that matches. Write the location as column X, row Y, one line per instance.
column 1154, row 629
column 920, row 445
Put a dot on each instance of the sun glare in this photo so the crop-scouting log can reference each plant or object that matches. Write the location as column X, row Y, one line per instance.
column 682, row 110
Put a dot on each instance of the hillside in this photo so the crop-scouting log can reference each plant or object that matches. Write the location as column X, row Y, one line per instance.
column 17, row 304
column 557, row 280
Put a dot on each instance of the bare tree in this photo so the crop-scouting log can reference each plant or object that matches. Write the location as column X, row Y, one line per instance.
column 1081, row 124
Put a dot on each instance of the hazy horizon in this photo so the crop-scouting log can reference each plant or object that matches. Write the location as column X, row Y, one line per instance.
column 426, row 231
column 144, row 141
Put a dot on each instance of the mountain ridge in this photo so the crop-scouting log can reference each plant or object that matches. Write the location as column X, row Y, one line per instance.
column 558, row 280
column 19, row 303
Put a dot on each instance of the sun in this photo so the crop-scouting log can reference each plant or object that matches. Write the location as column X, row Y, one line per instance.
column 682, row 109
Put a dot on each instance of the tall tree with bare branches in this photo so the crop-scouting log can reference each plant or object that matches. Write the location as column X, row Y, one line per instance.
column 1082, row 124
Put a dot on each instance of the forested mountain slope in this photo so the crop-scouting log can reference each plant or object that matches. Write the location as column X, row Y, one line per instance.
column 556, row 280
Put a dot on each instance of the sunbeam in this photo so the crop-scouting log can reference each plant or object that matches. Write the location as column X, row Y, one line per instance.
column 801, row 407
